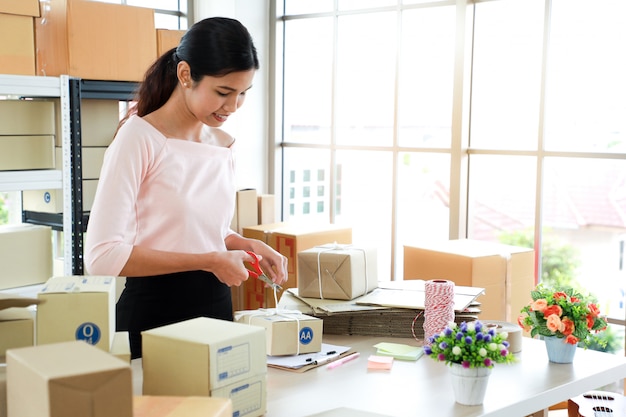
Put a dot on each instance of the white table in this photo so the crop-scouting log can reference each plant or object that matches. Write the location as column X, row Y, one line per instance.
column 423, row 388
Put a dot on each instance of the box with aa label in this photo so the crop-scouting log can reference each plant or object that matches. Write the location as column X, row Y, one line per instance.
column 286, row 333
column 70, row 379
column 196, row 356
column 77, row 308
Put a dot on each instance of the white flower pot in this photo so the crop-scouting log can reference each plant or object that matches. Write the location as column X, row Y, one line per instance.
column 558, row 350
column 469, row 384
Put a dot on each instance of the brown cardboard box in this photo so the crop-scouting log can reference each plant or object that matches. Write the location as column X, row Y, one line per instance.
column 267, row 209
column 120, row 348
column 17, row 49
column 92, row 157
column 71, row 379
column 507, row 273
column 288, row 239
column 163, row 406
column 27, row 117
column 20, row 7
column 25, row 255
column 51, row 201
column 345, row 272
column 246, row 211
column 77, row 308
column 95, row 40
column 193, row 357
column 17, row 328
column 168, row 39
column 99, row 119
column 286, row 333
column 26, row 152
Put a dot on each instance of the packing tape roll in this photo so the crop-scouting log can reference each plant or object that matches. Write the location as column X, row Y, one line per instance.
column 514, row 331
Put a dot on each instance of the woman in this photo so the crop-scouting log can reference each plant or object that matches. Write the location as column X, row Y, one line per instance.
column 166, row 192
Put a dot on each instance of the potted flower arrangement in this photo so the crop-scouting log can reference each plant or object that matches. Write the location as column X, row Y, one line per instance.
column 471, row 349
column 563, row 317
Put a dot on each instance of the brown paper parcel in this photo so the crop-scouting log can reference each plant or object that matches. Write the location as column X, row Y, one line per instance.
column 339, row 272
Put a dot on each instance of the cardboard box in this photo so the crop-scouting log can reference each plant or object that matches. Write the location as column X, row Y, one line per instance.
column 288, row 239
column 120, row 348
column 26, row 152
column 20, row 7
column 27, row 117
column 194, row 357
column 249, row 396
column 164, row 406
column 71, row 379
column 3, row 391
column 25, row 255
column 267, row 209
column 99, row 120
column 339, row 272
column 507, row 273
column 168, row 39
column 286, row 333
column 17, row 329
column 92, row 158
column 17, row 49
column 95, row 40
column 77, row 308
column 246, row 211
column 51, row 201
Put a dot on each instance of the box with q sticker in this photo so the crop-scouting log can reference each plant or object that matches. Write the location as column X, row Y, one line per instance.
column 77, row 308
column 287, row 332
column 70, row 379
column 196, row 356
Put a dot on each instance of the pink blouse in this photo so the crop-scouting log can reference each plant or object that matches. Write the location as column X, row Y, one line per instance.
column 165, row 194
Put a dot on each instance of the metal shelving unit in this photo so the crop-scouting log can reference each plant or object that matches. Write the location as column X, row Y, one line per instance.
column 70, row 91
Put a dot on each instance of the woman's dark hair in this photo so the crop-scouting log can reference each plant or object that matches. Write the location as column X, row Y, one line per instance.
column 215, row 46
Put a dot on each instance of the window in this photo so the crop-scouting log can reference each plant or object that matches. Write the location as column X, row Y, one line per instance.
column 509, row 129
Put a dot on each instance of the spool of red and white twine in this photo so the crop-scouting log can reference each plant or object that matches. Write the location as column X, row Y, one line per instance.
column 438, row 307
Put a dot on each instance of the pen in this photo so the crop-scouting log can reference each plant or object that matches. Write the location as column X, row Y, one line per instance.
column 343, row 360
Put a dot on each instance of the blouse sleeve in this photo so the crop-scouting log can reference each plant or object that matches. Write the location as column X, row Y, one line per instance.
column 112, row 226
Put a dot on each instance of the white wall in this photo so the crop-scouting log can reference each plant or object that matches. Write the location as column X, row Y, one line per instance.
column 250, row 124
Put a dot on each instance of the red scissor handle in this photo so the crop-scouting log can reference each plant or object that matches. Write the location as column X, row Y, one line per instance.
column 256, row 265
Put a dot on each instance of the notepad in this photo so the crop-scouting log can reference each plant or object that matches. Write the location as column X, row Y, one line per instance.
column 399, row 351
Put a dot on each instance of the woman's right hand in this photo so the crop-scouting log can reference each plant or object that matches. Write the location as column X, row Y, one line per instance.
column 229, row 268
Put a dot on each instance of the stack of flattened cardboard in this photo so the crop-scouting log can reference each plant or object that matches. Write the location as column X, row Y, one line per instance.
column 395, row 309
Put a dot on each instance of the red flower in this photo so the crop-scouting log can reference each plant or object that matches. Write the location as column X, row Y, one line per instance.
column 572, row 340
column 568, row 326
column 558, row 295
column 590, row 321
column 593, row 310
column 553, row 309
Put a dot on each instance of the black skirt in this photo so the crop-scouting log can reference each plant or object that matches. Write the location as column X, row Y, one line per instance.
column 154, row 301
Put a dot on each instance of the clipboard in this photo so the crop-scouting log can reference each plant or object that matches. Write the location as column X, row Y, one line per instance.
column 304, row 362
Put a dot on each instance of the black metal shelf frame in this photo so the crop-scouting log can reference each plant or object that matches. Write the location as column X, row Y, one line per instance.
column 80, row 89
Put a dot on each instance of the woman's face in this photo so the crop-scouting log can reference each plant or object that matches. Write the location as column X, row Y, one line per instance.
column 213, row 99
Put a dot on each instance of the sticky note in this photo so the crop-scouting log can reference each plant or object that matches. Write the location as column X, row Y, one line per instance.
column 379, row 362
column 399, row 351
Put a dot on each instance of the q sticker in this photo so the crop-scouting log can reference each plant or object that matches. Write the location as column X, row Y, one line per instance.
column 88, row 332
column 306, row 335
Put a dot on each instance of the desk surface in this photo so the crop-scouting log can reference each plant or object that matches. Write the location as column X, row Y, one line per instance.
column 423, row 388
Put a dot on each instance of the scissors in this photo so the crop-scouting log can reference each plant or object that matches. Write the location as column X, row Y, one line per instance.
column 258, row 272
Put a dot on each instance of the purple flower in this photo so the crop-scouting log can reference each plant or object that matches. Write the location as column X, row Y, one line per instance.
column 447, row 331
column 478, row 325
column 427, row 350
column 487, row 338
column 479, row 336
column 505, row 343
column 459, row 336
column 487, row 362
column 443, row 345
column 492, row 332
column 441, row 357
column 504, row 352
column 469, row 340
column 465, row 364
